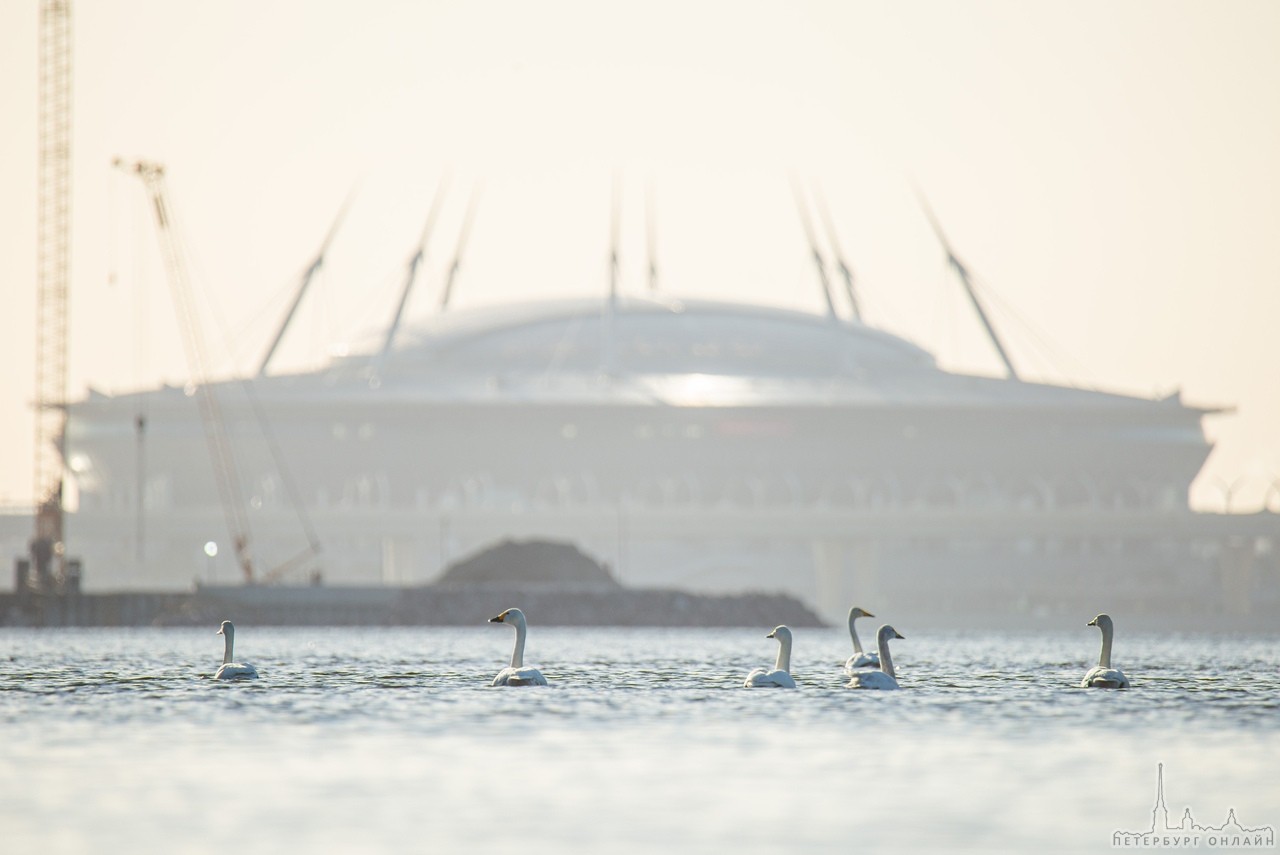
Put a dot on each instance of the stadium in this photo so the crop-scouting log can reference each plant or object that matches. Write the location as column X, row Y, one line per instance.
column 705, row 445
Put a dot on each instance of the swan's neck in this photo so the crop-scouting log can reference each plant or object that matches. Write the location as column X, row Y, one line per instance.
column 784, row 656
column 227, row 644
column 886, row 661
column 1104, row 658
column 853, row 633
column 517, row 655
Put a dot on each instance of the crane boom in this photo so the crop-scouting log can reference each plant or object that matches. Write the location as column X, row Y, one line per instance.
column 224, row 469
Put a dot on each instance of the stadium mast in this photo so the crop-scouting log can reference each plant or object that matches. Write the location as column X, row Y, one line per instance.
column 967, row 282
column 819, row 262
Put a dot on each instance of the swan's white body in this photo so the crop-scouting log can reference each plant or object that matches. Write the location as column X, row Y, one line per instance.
column 517, row 673
column 884, row 677
column 780, row 676
column 1102, row 675
column 860, row 658
column 232, row 670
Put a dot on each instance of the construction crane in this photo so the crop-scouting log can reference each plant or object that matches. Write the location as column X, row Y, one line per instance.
column 224, row 469
column 48, row 569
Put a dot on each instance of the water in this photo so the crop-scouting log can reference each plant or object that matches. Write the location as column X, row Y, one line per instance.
column 390, row 740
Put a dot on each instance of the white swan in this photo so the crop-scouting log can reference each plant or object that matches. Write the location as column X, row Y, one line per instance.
column 780, row 676
column 232, row 670
column 517, row 673
column 1103, row 676
column 859, row 659
column 884, row 678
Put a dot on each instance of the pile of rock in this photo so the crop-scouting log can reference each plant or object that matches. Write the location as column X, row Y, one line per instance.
column 556, row 584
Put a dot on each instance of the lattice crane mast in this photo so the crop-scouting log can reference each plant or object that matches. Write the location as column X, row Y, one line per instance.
column 53, row 261
column 224, row 469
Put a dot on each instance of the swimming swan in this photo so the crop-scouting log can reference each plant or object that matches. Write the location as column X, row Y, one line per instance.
column 859, row 659
column 884, row 678
column 1103, row 676
column 517, row 674
column 780, row 676
column 232, row 670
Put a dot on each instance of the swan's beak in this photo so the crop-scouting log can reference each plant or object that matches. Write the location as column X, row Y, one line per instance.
column 219, row 632
column 772, row 635
column 897, row 634
column 867, row 614
column 499, row 619
column 1093, row 622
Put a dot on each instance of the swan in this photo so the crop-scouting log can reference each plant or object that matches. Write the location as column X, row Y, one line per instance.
column 884, row 678
column 517, row 673
column 232, row 670
column 1103, row 676
column 780, row 676
column 859, row 659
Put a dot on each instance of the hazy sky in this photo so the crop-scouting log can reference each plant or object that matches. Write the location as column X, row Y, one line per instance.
column 1110, row 171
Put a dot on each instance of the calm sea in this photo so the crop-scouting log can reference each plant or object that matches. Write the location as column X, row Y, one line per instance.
column 390, row 740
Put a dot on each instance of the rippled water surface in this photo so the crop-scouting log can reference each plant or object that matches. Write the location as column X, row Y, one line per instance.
column 390, row 740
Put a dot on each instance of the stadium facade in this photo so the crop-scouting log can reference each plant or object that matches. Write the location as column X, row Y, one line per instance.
column 711, row 446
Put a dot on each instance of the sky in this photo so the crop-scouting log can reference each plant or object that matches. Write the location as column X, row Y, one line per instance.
column 1108, row 172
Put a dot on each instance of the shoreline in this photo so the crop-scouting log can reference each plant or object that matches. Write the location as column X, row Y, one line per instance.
column 404, row 606
column 584, row 606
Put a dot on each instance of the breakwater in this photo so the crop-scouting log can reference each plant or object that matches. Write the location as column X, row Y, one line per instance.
column 402, row 606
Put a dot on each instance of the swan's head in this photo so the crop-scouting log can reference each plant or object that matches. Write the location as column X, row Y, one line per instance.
column 227, row 628
column 1102, row 622
column 886, row 632
column 782, row 633
column 512, row 616
column 857, row 612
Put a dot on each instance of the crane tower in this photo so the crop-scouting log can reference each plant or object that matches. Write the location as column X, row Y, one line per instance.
column 53, row 256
